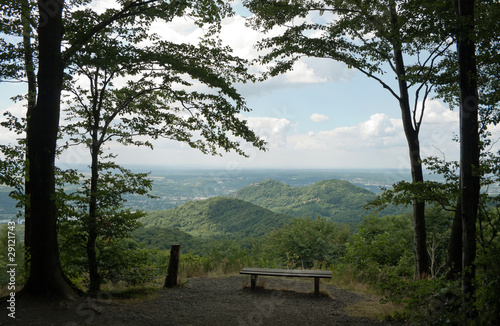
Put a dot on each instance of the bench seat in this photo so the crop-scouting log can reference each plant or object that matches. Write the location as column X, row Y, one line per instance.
column 255, row 272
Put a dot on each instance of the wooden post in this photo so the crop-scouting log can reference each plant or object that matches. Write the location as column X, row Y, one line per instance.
column 316, row 286
column 173, row 266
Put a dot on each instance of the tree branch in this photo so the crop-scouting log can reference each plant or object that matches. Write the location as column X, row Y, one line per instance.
column 380, row 81
column 124, row 13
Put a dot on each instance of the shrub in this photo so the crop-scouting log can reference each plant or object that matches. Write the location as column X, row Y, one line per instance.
column 381, row 242
column 118, row 259
column 488, row 283
column 304, row 241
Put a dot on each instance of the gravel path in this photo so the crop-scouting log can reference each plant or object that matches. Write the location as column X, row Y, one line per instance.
column 206, row 301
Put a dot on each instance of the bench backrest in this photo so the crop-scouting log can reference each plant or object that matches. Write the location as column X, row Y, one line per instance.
column 286, row 272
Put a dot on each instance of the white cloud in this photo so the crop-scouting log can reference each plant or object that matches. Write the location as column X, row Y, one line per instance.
column 329, row 69
column 302, row 73
column 179, row 30
column 381, row 139
column 379, row 126
column 318, row 117
column 274, row 131
column 438, row 127
column 384, row 134
column 437, row 113
column 378, row 132
column 240, row 37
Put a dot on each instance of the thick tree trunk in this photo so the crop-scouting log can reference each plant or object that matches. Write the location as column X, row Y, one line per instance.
column 46, row 277
column 469, row 145
column 422, row 261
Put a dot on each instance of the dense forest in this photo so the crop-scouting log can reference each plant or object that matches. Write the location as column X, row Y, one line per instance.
column 199, row 221
column 336, row 200
column 96, row 77
column 218, row 217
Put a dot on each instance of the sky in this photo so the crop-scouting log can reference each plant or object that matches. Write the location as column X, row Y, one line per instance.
column 320, row 115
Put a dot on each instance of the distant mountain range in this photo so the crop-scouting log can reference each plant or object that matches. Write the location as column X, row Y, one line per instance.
column 337, row 200
column 176, row 187
column 260, row 207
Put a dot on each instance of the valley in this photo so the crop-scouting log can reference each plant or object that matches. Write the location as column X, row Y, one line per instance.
column 174, row 187
column 255, row 210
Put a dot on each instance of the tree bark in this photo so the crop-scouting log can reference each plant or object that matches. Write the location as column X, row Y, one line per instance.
column 95, row 280
column 422, row 265
column 454, row 257
column 469, row 145
column 31, row 78
column 46, row 277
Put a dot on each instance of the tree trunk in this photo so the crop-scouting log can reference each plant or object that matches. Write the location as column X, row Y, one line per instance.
column 30, row 76
column 469, row 146
column 422, row 261
column 419, row 234
column 454, row 257
column 95, row 280
column 46, row 277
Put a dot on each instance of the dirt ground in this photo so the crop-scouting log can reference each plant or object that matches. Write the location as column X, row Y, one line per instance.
column 207, row 301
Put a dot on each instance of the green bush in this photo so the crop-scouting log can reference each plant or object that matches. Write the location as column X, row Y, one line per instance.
column 382, row 242
column 488, row 283
column 305, row 241
column 123, row 260
column 118, row 260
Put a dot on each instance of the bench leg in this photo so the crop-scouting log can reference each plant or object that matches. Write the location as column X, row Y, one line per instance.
column 253, row 281
column 316, row 286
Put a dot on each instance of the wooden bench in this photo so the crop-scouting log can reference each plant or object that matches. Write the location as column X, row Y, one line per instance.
column 255, row 272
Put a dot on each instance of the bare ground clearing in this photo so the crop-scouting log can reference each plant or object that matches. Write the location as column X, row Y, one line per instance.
column 208, row 301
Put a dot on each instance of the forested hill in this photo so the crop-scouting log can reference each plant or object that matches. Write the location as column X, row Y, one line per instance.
column 337, row 200
column 217, row 217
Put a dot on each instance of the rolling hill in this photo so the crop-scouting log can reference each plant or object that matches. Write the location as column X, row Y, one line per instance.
column 217, row 217
column 163, row 238
column 337, row 200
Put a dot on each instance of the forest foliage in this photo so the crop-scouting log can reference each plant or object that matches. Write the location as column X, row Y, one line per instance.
column 217, row 217
column 336, row 200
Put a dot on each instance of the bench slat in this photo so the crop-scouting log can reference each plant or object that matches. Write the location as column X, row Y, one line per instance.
column 286, row 272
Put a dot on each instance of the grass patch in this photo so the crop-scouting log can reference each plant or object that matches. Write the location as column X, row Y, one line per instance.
column 122, row 291
column 344, row 277
column 372, row 308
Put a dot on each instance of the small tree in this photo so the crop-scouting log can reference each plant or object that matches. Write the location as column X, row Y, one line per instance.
column 112, row 223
